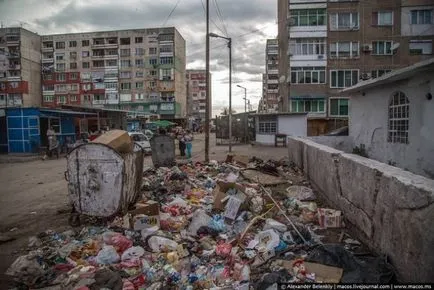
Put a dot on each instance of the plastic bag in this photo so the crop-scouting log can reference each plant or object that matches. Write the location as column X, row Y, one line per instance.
column 133, row 253
column 161, row 244
column 223, row 249
column 107, row 255
column 217, row 223
column 301, row 193
column 199, row 219
column 272, row 224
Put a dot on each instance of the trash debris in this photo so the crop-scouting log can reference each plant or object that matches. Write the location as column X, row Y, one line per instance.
column 118, row 140
column 204, row 226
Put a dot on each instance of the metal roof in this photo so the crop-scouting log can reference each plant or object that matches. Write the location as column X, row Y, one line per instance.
column 279, row 114
column 67, row 112
column 396, row 75
column 98, row 109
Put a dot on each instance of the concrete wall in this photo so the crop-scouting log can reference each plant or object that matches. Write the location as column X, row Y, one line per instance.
column 292, row 125
column 369, row 124
column 407, row 29
column 390, row 210
column 343, row 143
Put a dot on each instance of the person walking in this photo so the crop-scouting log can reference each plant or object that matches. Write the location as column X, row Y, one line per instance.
column 188, row 139
column 182, row 145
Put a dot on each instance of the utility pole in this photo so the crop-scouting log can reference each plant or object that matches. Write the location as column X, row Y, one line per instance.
column 230, row 93
column 245, row 112
column 283, row 37
column 207, row 107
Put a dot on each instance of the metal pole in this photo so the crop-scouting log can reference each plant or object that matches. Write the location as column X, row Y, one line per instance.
column 230, row 93
column 207, row 107
column 245, row 115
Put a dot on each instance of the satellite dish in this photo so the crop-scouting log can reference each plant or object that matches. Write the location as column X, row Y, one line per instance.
column 282, row 79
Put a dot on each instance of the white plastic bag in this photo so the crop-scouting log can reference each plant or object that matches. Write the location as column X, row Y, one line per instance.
column 107, row 255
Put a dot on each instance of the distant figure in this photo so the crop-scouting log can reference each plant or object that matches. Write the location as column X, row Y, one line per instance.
column 188, row 138
column 181, row 140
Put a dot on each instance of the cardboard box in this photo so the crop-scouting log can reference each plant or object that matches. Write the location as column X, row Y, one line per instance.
column 330, row 218
column 323, row 273
column 118, row 140
column 242, row 160
column 145, row 215
column 220, row 190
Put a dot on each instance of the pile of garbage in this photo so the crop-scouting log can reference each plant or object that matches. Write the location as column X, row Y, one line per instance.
column 205, row 226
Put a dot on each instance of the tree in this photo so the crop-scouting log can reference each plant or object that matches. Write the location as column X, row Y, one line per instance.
column 225, row 111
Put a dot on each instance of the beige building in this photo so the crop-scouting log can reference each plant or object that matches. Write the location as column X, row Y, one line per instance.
column 139, row 70
column 20, row 68
column 335, row 44
column 270, row 80
column 196, row 94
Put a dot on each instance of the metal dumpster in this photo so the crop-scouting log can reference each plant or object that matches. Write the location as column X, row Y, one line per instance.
column 102, row 182
column 163, row 151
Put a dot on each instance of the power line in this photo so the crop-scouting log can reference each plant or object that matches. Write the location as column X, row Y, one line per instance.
column 171, row 12
column 213, row 22
column 220, row 16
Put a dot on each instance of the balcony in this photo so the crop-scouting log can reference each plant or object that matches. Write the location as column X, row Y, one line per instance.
column 273, row 72
column 13, row 78
column 13, row 40
column 166, row 86
column 105, row 45
column 47, row 60
column 47, row 49
column 273, row 52
column 14, row 102
column 166, row 54
column 14, row 66
column 112, row 101
column 48, row 92
column 13, row 54
column 308, row 31
column 98, row 102
column 272, row 82
column 272, row 91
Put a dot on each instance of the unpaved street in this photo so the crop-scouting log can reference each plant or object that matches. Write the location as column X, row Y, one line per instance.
column 34, row 195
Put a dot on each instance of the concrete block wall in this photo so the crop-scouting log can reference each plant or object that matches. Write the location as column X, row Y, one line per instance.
column 391, row 210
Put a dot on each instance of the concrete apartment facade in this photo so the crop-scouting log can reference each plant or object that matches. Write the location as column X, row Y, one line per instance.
column 335, row 44
column 20, row 68
column 270, row 80
column 196, row 95
column 139, row 70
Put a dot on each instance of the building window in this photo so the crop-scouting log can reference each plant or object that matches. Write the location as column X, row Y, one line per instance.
column 85, row 64
column 152, row 50
column 339, row 107
column 125, row 86
column 421, row 16
column 74, row 87
column 73, row 98
column 344, row 50
column 112, row 62
column 308, row 75
column 382, row 47
column 139, row 85
column 73, row 55
column 344, row 78
column 166, row 60
column 125, row 41
column 112, row 52
column 140, row 51
column 399, row 113
column 165, row 37
column 60, row 45
column 307, row 46
column 60, row 56
column 125, row 52
column 98, row 63
column 382, row 18
column 125, row 75
column 73, row 43
column 60, row 77
column 48, row 99
column 139, row 63
column 48, row 88
column 85, row 53
column 153, row 61
column 344, row 21
column 420, row 47
column 308, row 105
column 379, row 72
column 73, row 65
column 125, row 63
column 47, row 77
column 113, row 86
column 60, row 67
column 153, row 73
column 61, row 100
column 166, row 74
column 138, row 40
column 267, row 126
column 152, row 84
column 308, row 17
column 139, row 74
column 85, row 43
column 55, row 122
column 166, row 48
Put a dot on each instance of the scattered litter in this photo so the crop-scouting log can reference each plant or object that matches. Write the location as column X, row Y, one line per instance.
column 203, row 226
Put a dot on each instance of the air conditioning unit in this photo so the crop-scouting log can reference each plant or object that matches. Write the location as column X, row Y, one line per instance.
column 365, row 76
column 367, row 47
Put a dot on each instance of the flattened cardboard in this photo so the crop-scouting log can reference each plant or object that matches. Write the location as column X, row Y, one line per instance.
column 323, row 273
column 145, row 215
column 118, row 140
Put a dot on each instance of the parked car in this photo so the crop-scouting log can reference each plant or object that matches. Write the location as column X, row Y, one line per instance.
column 142, row 140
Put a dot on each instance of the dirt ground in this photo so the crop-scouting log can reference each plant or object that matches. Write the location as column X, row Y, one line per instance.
column 34, row 198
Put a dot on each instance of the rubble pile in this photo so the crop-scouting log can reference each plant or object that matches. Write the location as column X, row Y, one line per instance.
column 206, row 226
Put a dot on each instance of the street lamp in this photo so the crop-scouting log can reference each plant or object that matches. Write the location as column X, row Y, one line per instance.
column 230, row 84
column 245, row 111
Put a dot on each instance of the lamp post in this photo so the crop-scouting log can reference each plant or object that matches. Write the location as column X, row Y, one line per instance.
column 208, row 91
column 245, row 111
column 230, row 84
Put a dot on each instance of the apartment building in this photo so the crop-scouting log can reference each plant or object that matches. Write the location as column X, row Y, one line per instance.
column 20, row 68
column 196, row 94
column 335, row 44
column 270, row 79
column 139, row 70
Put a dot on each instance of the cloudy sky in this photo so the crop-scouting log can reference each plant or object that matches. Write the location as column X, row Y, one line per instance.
column 248, row 22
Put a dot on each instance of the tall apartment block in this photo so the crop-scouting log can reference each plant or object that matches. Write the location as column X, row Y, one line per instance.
column 196, row 94
column 270, row 80
column 139, row 70
column 335, row 44
column 20, row 68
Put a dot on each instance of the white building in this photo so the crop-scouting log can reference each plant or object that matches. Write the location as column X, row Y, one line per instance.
column 393, row 117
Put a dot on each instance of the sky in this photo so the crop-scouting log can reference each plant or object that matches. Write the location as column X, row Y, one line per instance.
column 248, row 22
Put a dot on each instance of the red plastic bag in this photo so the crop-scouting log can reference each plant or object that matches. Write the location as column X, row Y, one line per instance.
column 223, row 250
